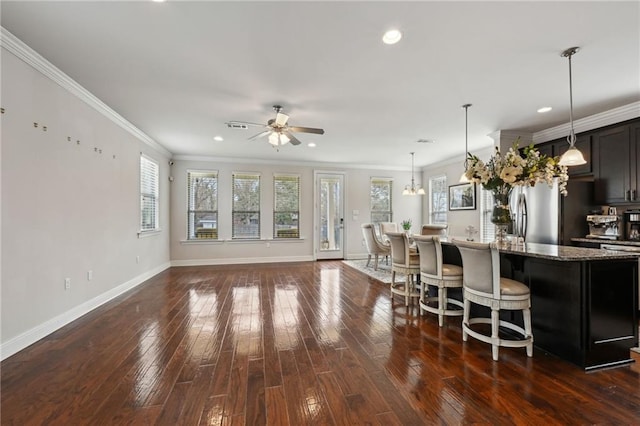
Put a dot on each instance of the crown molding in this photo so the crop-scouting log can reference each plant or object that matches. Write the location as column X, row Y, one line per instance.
column 18, row 48
column 315, row 164
column 606, row 118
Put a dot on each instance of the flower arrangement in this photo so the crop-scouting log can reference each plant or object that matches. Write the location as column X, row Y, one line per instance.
column 502, row 172
column 406, row 224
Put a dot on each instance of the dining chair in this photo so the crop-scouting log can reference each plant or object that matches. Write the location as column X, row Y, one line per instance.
column 433, row 229
column 375, row 247
column 483, row 285
column 387, row 227
column 435, row 273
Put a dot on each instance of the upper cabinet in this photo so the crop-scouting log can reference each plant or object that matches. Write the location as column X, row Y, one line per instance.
column 615, row 164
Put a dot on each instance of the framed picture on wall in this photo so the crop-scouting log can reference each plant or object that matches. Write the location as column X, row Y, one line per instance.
column 462, row 197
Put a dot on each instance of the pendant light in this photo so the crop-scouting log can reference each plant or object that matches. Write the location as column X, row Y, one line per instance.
column 413, row 189
column 573, row 157
column 463, row 178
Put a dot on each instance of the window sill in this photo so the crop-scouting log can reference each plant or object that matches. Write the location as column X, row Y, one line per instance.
column 151, row 233
column 243, row 241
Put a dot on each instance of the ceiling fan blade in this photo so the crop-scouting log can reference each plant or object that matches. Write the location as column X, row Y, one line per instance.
column 306, row 130
column 292, row 139
column 247, row 123
column 259, row 135
column 281, row 119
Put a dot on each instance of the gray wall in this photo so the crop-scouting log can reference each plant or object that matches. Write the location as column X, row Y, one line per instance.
column 225, row 251
column 66, row 208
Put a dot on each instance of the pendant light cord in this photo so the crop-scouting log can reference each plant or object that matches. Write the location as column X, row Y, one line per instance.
column 466, row 135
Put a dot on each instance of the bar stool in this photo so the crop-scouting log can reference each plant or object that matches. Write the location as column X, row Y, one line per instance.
column 404, row 260
column 433, row 272
column 483, row 285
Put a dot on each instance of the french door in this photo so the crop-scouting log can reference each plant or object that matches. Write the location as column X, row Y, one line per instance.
column 329, row 216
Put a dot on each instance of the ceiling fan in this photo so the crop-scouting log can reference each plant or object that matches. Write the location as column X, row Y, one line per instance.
column 280, row 133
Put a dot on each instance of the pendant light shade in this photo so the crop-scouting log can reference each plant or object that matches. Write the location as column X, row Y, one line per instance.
column 573, row 157
column 463, row 178
column 413, row 189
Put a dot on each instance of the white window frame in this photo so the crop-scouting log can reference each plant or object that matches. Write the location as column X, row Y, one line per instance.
column 149, row 191
column 192, row 231
column 234, row 235
column 381, row 181
column 281, row 177
column 432, row 212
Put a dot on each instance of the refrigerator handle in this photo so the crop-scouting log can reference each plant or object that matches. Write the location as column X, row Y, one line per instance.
column 524, row 217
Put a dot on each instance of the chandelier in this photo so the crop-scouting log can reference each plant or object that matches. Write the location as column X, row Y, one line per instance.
column 413, row 189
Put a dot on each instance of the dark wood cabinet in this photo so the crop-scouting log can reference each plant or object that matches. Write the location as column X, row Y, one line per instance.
column 614, row 165
column 635, row 145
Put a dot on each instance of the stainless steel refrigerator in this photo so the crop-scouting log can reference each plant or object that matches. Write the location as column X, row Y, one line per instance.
column 542, row 215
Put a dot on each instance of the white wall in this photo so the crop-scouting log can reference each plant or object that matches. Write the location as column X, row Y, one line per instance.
column 67, row 208
column 357, row 197
column 458, row 220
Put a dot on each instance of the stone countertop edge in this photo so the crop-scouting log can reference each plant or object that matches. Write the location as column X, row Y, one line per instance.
column 560, row 253
column 601, row 241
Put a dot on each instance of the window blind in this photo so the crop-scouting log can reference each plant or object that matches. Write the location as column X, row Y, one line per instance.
column 202, row 209
column 286, row 211
column 487, row 228
column 381, row 200
column 438, row 199
column 246, row 206
column 148, row 194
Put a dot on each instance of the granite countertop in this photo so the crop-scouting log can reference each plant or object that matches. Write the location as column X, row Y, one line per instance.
column 560, row 253
column 619, row 242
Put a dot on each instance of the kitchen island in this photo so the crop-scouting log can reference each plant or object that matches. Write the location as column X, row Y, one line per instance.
column 584, row 301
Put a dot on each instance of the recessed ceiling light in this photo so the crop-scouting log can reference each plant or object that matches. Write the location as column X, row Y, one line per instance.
column 216, row 138
column 545, row 109
column 311, row 144
column 392, row 36
column 158, row 1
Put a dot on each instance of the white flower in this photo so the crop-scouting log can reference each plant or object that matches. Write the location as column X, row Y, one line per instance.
column 510, row 174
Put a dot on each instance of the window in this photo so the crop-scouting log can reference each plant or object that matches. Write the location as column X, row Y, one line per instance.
column 381, row 210
column 148, row 194
column 246, row 206
column 487, row 228
column 438, row 199
column 286, row 206
column 202, row 210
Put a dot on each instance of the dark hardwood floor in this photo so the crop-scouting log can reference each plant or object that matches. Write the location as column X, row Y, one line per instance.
column 299, row 343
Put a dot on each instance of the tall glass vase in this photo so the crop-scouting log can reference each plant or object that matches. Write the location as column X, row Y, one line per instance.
column 501, row 213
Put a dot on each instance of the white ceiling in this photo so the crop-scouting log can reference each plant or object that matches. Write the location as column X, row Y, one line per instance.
column 179, row 70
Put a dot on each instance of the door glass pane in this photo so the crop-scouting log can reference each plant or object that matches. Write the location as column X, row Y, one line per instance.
column 330, row 209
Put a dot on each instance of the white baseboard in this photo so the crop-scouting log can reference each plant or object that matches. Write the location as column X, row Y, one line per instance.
column 240, row 260
column 29, row 337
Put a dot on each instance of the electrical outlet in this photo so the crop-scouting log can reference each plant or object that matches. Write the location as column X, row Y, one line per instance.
column 137, row 259
column 89, row 275
column 67, row 283
column 268, row 245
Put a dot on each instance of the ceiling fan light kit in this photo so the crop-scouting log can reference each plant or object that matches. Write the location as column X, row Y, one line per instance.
column 278, row 129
